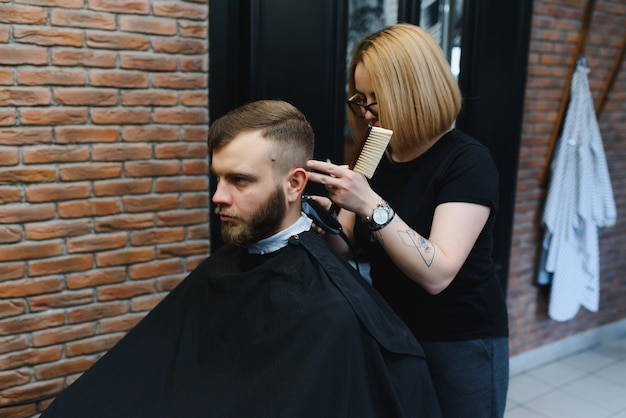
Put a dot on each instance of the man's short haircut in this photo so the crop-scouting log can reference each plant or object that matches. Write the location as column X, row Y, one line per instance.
column 277, row 121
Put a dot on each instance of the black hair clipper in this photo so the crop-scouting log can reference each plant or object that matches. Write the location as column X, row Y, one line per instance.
column 320, row 216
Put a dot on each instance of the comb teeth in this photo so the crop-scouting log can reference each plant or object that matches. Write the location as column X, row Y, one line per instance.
column 373, row 150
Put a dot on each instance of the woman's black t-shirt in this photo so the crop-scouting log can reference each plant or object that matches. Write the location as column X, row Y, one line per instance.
column 457, row 168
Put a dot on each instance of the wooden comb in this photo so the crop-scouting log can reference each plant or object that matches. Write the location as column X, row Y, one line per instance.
column 370, row 150
column 367, row 154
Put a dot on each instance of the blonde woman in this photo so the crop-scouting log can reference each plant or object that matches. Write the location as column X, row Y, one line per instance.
column 426, row 218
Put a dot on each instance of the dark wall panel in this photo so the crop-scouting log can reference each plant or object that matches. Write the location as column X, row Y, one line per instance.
column 493, row 79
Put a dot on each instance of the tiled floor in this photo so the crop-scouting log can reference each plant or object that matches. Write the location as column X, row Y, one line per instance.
column 591, row 384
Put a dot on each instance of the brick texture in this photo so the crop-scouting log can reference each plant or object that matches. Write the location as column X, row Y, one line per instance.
column 555, row 28
column 100, row 102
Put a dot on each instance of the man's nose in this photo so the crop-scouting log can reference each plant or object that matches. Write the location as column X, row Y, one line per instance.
column 221, row 195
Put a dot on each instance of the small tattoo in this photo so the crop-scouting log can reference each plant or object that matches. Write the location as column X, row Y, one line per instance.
column 421, row 244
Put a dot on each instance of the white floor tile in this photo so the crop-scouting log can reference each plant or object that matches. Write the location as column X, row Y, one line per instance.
column 523, row 412
column 621, row 414
column 589, row 361
column 599, row 391
column 524, row 387
column 557, row 374
column 561, row 404
column 591, row 384
column 615, row 373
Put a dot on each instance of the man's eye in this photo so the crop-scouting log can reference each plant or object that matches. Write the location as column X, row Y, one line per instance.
column 240, row 180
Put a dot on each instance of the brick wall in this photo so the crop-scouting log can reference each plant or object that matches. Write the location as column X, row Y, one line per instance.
column 103, row 177
column 555, row 28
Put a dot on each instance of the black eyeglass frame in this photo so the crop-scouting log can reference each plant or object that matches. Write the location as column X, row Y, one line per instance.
column 366, row 108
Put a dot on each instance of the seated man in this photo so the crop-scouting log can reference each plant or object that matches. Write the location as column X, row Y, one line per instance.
column 274, row 324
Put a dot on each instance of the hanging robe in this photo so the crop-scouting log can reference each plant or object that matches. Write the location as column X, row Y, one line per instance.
column 579, row 202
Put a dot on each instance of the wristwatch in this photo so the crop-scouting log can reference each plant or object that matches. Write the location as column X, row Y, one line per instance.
column 381, row 216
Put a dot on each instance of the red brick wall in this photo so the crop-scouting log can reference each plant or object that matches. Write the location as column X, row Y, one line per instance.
column 103, row 177
column 555, row 28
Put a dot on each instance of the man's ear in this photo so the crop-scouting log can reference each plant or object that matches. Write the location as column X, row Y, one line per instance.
column 297, row 181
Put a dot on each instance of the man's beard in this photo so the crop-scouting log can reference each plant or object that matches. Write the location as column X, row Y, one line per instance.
column 262, row 223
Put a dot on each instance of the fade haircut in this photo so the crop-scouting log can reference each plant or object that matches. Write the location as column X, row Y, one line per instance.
column 278, row 121
column 418, row 97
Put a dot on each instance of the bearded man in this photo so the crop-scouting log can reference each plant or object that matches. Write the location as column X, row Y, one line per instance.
column 273, row 324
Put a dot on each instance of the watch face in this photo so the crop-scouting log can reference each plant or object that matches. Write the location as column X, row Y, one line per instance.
column 380, row 215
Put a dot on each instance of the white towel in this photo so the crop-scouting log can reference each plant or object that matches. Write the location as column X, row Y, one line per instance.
column 579, row 202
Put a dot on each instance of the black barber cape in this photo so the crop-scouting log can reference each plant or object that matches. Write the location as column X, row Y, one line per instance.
column 296, row 333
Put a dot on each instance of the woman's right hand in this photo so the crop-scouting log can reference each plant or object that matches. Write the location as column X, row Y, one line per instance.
column 348, row 189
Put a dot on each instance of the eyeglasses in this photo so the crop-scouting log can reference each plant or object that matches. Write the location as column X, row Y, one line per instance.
column 355, row 103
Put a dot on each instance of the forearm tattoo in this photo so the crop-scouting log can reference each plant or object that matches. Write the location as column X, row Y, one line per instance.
column 424, row 248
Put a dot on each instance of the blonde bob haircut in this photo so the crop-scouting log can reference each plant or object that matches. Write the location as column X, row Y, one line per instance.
column 418, row 97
